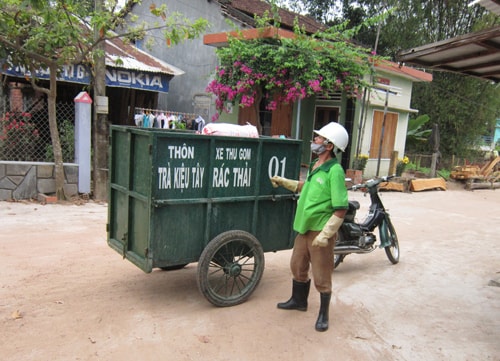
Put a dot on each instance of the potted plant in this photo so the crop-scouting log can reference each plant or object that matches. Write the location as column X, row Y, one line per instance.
column 400, row 167
column 358, row 166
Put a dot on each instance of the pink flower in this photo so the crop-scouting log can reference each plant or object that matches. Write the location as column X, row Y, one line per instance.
column 272, row 105
column 246, row 69
column 247, row 100
column 314, row 85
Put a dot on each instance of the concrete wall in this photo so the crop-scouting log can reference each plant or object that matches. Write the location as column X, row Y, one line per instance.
column 27, row 180
column 197, row 60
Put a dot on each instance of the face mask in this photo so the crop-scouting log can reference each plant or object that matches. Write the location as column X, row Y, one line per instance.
column 317, row 148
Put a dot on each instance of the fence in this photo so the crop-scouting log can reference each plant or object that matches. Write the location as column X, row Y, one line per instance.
column 425, row 161
column 25, row 135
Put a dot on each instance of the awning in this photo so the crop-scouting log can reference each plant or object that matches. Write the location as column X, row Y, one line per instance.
column 130, row 67
column 476, row 54
column 115, row 77
column 126, row 67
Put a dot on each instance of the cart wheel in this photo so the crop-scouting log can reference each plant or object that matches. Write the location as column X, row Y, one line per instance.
column 230, row 268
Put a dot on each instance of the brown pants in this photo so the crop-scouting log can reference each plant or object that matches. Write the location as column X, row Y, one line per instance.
column 320, row 259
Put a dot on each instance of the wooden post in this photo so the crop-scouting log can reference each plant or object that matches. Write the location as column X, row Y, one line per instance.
column 433, row 164
column 394, row 162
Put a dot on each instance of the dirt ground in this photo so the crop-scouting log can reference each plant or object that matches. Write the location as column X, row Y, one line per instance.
column 65, row 295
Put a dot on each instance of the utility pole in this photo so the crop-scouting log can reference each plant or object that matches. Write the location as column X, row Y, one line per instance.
column 388, row 90
column 100, row 126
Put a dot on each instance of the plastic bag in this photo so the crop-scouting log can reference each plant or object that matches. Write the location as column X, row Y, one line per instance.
column 232, row 130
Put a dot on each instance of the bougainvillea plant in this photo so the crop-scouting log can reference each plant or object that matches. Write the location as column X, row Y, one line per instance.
column 19, row 136
column 279, row 69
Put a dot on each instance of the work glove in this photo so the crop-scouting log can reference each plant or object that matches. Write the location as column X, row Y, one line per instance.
column 331, row 227
column 290, row 184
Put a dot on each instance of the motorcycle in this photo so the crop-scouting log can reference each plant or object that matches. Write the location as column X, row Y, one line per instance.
column 360, row 238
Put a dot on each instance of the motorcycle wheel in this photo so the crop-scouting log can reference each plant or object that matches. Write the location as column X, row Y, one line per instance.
column 337, row 259
column 392, row 251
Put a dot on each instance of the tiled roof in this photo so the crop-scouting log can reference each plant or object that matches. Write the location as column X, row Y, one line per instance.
column 244, row 10
column 220, row 39
column 405, row 71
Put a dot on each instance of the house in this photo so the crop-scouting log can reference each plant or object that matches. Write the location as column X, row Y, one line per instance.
column 389, row 102
column 135, row 81
column 385, row 109
column 496, row 136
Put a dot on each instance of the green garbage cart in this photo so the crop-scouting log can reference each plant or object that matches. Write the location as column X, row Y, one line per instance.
column 177, row 197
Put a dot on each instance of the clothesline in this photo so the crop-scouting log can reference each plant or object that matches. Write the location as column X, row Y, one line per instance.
column 170, row 112
column 167, row 119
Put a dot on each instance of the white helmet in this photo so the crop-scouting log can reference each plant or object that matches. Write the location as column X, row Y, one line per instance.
column 334, row 133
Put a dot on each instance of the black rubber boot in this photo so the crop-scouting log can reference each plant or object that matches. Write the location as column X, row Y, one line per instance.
column 298, row 301
column 322, row 321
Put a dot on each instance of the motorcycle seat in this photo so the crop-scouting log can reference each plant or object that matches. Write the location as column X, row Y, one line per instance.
column 353, row 205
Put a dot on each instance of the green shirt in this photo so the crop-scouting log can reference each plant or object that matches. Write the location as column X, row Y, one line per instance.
column 323, row 193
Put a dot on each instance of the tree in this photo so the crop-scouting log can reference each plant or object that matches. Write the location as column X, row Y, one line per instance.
column 47, row 34
column 322, row 10
column 416, row 135
column 463, row 107
column 280, row 69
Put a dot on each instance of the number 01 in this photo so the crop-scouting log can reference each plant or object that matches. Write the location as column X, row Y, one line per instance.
column 276, row 167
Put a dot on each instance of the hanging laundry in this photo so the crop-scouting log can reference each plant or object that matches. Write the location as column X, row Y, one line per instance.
column 200, row 123
column 145, row 121
column 171, row 120
column 138, row 119
column 162, row 120
column 151, row 120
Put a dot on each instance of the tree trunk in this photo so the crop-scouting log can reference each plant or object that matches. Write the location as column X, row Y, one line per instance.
column 101, row 126
column 54, row 134
column 256, row 109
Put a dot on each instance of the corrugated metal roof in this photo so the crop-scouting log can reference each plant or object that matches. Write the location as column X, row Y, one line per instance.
column 133, row 58
column 476, row 54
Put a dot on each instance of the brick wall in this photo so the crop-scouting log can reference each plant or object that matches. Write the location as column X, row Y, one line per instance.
column 16, row 97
